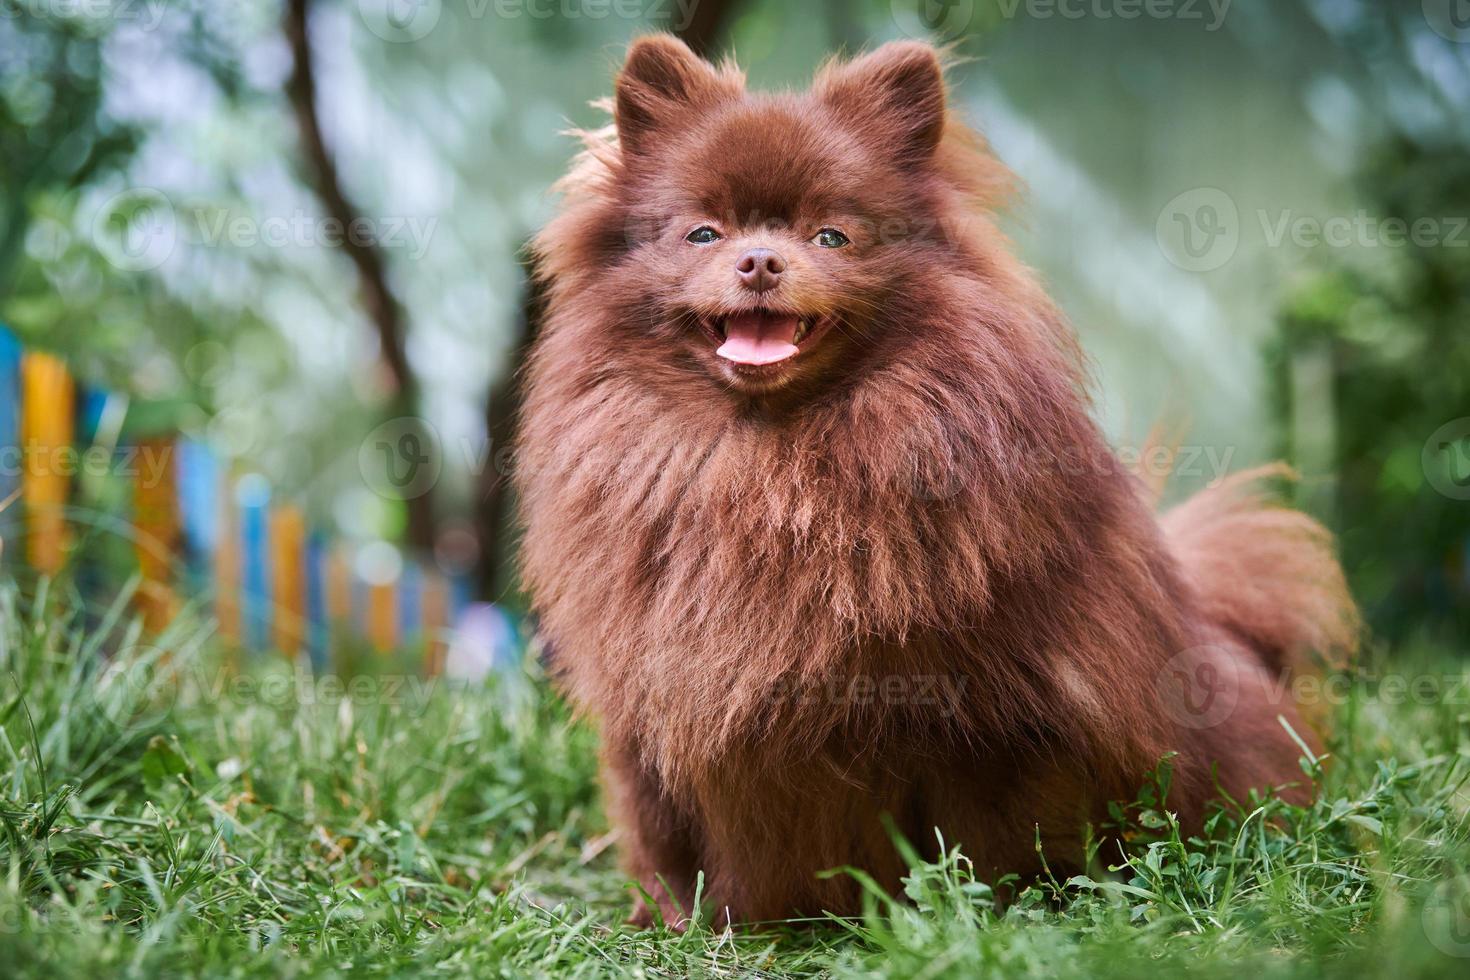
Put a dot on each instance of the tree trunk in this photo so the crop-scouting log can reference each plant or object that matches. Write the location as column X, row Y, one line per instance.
column 378, row 302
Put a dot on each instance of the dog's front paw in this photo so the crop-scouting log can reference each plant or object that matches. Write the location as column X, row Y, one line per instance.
column 642, row 917
column 672, row 916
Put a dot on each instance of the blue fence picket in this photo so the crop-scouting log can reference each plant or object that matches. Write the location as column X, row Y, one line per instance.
column 253, row 496
column 91, row 407
column 11, row 459
column 318, row 616
column 198, row 474
column 358, row 621
column 410, row 603
column 461, row 594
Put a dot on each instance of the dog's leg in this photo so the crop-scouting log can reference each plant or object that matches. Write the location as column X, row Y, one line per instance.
column 657, row 837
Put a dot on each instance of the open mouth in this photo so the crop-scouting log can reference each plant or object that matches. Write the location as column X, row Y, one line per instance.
column 757, row 338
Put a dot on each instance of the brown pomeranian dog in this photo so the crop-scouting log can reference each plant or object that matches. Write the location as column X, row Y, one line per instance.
column 818, row 525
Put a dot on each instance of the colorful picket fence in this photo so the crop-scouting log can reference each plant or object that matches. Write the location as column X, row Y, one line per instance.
column 277, row 583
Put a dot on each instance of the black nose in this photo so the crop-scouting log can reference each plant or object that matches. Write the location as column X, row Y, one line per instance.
column 760, row 269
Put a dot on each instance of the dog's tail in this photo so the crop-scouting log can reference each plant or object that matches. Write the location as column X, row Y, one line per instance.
column 1267, row 574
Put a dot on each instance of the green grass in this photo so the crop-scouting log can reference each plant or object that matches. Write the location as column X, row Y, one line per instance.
column 160, row 815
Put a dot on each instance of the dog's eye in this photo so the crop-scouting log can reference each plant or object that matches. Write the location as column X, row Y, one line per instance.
column 703, row 235
column 831, row 238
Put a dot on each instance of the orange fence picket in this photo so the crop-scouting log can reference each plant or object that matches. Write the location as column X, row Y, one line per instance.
column 157, row 527
column 288, row 556
column 48, row 424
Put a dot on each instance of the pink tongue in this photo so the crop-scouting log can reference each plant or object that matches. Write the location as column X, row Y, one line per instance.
column 759, row 338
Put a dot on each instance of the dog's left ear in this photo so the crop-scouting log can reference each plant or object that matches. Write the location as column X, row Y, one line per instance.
column 897, row 90
column 660, row 82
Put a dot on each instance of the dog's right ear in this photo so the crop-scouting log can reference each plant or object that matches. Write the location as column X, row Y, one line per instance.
column 661, row 80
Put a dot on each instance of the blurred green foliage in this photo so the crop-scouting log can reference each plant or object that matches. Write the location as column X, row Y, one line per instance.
column 1396, row 336
column 67, row 199
column 54, row 135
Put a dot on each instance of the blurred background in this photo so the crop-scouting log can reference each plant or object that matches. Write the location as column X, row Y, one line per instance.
column 292, row 232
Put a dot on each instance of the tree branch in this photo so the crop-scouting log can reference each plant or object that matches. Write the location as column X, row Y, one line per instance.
column 378, row 301
column 706, row 23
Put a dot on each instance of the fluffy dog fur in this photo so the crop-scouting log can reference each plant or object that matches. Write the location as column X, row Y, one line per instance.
column 900, row 574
